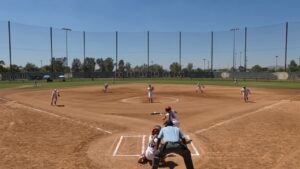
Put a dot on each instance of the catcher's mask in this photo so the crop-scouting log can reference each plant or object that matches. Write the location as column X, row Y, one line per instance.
column 156, row 130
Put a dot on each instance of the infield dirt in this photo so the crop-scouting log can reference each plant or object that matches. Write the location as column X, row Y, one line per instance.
column 83, row 130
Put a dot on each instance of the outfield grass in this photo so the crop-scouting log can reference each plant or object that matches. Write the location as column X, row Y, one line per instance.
column 88, row 82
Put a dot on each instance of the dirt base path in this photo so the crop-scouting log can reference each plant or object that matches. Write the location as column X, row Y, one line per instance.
column 84, row 130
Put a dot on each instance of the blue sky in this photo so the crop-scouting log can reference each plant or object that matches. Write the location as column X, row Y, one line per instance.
column 195, row 17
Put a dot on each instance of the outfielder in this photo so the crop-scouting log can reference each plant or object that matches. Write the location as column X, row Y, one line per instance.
column 245, row 92
column 150, row 90
column 54, row 96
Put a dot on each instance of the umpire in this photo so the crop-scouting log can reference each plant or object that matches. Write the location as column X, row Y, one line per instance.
column 175, row 142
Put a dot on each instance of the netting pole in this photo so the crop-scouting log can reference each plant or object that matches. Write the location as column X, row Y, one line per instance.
column 286, row 41
column 148, row 52
column 116, row 55
column 212, row 52
column 9, row 48
column 83, row 45
column 245, row 64
column 180, row 52
column 51, row 51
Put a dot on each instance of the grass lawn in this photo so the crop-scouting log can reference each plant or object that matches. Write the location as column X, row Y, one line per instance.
column 87, row 82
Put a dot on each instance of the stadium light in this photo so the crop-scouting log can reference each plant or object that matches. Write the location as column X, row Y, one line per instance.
column 204, row 64
column 233, row 57
column 67, row 30
column 276, row 63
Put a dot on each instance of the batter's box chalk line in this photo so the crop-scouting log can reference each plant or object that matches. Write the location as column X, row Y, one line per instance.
column 116, row 152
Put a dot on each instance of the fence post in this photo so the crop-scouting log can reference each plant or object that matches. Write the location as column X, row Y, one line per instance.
column 286, row 41
column 245, row 64
column 212, row 52
column 9, row 48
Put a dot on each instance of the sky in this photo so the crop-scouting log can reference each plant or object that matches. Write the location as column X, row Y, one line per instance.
column 265, row 20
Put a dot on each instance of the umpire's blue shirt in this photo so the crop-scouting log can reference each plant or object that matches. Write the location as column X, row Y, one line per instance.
column 170, row 134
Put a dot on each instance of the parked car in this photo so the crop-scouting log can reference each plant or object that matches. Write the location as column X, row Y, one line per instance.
column 48, row 78
column 62, row 78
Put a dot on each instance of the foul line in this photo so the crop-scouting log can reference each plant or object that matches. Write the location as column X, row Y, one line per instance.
column 239, row 117
column 60, row 117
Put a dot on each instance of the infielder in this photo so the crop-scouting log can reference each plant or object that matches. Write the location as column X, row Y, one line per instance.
column 54, row 96
column 171, row 116
column 150, row 90
column 245, row 92
column 105, row 88
column 200, row 88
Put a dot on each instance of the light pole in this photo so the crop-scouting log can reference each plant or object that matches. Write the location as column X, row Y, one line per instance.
column 276, row 63
column 233, row 57
column 204, row 65
column 67, row 30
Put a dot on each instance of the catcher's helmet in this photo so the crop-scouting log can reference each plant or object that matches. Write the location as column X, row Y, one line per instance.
column 156, row 130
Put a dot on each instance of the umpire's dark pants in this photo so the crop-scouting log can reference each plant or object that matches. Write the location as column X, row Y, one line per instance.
column 173, row 147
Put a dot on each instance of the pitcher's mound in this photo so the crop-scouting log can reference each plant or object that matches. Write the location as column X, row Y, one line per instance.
column 155, row 100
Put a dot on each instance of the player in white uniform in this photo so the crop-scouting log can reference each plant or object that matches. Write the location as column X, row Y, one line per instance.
column 171, row 116
column 200, row 88
column 150, row 90
column 245, row 92
column 105, row 88
column 54, row 96
column 148, row 155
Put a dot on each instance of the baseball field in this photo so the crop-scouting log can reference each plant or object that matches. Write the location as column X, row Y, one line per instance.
column 89, row 129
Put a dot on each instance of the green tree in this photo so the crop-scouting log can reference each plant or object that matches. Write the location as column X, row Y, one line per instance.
column 189, row 67
column 15, row 68
column 76, row 65
column 2, row 68
column 156, row 68
column 257, row 68
column 89, row 64
column 109, row 64
column 175, row 67
column 57, row 65
column 293, row 67
column 121, row 66
column 101, row 64
column 30, row 67
column 127, row 67
column 46, row 68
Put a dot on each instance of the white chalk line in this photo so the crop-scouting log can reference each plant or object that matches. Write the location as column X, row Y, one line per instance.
column 118, row 145
column 127, row 100
column 239, row 117
column 115, row 153
column 194, row 147
column 143, row 144
column 61, row 117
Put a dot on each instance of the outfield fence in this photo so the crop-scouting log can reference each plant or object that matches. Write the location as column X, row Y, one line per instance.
column 235, row 50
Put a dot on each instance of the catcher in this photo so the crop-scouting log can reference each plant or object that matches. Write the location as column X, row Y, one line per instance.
column 54, row 97
column 148, row 155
